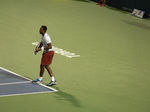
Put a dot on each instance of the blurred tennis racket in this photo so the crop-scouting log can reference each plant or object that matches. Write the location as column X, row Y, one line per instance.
column 37, row 46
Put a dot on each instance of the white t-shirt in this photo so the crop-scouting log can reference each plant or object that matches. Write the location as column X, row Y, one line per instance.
column 45, row 40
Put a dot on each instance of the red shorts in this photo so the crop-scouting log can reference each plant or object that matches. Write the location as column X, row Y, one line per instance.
column 47, row 58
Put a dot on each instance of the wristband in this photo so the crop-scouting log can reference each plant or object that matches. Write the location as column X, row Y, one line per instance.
column 42, row 48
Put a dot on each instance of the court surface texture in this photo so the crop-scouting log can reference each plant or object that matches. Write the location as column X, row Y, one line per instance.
column 101, row 61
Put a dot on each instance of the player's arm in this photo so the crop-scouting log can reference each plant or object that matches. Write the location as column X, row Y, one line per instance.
column 39, row 47
column 49, row 46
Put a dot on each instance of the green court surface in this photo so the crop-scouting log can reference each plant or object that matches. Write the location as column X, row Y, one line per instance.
column 112, row 73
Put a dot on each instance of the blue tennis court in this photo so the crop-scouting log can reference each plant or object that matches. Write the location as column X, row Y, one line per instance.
column 14, row 84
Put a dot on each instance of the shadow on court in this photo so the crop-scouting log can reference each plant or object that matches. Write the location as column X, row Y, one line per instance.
column 63, row 96
column 140, row 25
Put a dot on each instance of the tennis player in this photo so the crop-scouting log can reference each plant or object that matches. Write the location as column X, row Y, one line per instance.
column 47, row 57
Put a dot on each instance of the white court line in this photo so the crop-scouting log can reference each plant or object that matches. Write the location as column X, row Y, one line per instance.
column 61, row 51
column 29, row 80
column 26, row 93
column 14, row 83
column 25, row 78
column 15, row 74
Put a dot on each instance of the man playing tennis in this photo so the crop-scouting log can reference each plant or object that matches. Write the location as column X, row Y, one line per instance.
column 48, row 53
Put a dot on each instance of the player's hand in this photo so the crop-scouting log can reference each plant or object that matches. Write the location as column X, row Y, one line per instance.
column 38, row 49
column 35, row 52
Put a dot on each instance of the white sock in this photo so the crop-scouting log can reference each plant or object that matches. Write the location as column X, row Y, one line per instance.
column 53, row 79
column 40, row 78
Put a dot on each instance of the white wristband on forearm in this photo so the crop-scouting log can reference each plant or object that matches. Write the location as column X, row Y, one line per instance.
column 42, row 48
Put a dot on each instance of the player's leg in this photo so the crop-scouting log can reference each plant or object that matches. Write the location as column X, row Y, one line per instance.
column 41, row 70
column 49, row 70
column 41, row 74
column 53, row 81
column 48, row 60
column 42, row 67
column 50, row 55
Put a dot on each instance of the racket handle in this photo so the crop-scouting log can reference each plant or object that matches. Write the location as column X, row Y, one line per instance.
column 35, row 52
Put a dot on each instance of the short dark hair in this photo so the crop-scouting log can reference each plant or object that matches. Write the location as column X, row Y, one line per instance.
column 44, row 28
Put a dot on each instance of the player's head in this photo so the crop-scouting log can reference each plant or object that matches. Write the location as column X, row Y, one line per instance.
column 43, row 29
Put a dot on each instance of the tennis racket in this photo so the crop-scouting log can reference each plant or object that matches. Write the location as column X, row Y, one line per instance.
column 37, row 46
